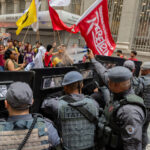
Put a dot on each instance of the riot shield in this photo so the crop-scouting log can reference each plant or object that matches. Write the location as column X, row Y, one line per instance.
column 6, row 78
column 47, row 82
column 87, row 70
column 110, row 62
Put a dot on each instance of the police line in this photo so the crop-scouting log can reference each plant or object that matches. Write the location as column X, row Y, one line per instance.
column 48, row 80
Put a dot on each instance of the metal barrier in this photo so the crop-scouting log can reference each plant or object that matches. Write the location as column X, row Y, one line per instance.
column 6, row 78
column 141, row 40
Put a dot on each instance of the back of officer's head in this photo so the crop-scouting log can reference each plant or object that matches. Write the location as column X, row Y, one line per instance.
column 130, row 65
column 72, row 82
column 145, row 69
column 119, row 79
column 19, row 97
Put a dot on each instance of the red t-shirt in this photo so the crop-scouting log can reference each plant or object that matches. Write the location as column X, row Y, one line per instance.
column 2, row 60
column 47, row 59
column 133, row 59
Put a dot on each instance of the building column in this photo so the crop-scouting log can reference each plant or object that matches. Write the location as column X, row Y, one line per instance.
column 127, row 24
column 3, row 7
column 16, row 6
column 28, row 2
column 3, row 11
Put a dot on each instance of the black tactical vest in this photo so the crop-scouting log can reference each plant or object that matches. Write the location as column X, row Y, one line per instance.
column 13, row 133
column 111, row 133
column 146, row 90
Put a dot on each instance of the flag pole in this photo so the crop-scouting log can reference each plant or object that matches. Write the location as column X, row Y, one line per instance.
column 38, row 35
column 54, row 36
column 69, row 37
column 26, row 34
column 59, row 37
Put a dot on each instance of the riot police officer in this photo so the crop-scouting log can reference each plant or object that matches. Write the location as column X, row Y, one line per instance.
column 145, row 94
column 77, row 131
column 142, row 88
column 21, row 129
column 125, row 114
column 136, row 82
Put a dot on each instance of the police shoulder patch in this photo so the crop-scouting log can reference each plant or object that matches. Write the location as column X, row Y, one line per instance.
column 130, row 129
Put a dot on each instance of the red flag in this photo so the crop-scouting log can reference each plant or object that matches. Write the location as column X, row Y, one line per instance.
column 94, row 27
column 58, row 24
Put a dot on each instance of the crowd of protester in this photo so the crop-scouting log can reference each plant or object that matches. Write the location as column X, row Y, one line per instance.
column 16, row 56
column 133, row 55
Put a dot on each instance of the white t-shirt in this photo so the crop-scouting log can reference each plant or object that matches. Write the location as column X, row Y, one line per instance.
column 38, row 61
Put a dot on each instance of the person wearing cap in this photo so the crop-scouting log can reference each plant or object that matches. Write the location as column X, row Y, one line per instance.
column 125, row 114
column 142, row 88
column 137, row 84
column 77, row 131
column 145, row 94
column 120, row 54
column 19, row 99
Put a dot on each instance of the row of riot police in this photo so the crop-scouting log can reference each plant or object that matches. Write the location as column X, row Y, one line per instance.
column 120, row 122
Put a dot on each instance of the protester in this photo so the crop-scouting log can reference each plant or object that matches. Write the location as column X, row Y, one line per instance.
column 49, row 54
column 10, row 63
column 1, row 40
column 29, row 55
column 120, row 54
column 21, row 52
column 2, row 51
column 133, row 56
column 10, row 45
column 63, row 57
column 15, row 43
column 26, row 46
column 41, row 49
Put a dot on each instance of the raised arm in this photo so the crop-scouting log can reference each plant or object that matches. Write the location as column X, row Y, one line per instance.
column 100, row 69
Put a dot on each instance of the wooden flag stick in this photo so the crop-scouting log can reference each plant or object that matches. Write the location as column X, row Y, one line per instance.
column 59, row 37
column 38, row 35
column 69, row 37
column 54, row 36
column 26, row 34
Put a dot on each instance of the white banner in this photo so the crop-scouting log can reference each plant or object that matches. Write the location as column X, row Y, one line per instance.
column 59, row 2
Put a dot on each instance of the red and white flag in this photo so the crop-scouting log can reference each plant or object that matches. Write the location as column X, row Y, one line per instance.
column 58, row 24
column 94, row 27
column 59, row 2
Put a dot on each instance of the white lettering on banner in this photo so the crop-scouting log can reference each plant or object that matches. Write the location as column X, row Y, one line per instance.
column 92, row 21
column 104, row 28
column 97, row 33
